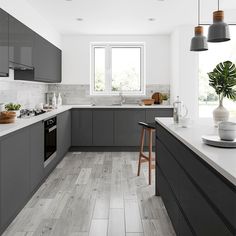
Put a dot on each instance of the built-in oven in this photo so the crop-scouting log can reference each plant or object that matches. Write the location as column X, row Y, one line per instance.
column 50, row 140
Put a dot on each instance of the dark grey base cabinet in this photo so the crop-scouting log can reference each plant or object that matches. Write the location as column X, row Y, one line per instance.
column 63, row 134
column 22, row 164
column 126, row 129
column 108, row 128
column 15, row 174
column 199, row 200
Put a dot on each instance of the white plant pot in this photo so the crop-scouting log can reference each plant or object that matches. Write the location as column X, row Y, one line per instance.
column 220, row 114
column 165, row 102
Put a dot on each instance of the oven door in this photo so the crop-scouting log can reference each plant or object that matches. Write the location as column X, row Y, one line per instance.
column 50, row 144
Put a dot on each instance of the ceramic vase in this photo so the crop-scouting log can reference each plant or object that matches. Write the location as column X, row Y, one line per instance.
column 220, row 114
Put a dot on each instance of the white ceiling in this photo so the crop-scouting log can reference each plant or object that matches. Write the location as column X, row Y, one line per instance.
column 127, row 16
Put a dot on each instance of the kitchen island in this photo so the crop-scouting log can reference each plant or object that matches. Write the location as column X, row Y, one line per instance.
column 196, row 182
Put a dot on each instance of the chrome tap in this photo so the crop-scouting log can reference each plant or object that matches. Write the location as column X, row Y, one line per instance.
column 122, row 98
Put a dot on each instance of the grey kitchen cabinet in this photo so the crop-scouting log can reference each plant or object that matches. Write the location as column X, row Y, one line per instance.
column 205, row 199
column 126, row 128
column 63, row 133
column 82, row 131
column 47, row 61
column 103, row 127
column 36, row 154
column 4, row 44
column 163, row 112
column 15, row 174
column 21, row 43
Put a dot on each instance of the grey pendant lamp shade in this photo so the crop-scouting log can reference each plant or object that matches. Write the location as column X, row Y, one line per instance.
column 199, row 41
column 219, row 30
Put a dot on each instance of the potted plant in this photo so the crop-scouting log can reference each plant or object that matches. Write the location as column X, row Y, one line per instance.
column 223, row 80
column 165, row 98
column 13, row 107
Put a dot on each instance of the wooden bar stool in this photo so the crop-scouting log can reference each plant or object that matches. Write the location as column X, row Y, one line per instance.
column 149, row 128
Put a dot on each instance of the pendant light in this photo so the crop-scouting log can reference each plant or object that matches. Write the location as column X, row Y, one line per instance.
column 219, row 30
column 199, row 41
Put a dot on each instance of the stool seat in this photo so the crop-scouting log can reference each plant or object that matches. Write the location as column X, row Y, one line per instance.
column 148, row 125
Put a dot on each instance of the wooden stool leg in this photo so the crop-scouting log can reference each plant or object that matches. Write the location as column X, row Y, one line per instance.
column 150, row 157
column 141, row 150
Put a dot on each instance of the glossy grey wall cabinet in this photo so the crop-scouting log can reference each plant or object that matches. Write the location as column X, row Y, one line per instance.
column 4, row 43
column 21, row 42
column 46, row 60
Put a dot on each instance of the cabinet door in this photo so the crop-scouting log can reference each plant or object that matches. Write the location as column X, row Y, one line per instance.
column 63, row 133
column 21, row 41
column 126, row 129
column 47, row 61
column 4, row 57
column 36, row 154
column 103, row 125
column 82, row 127
column 14, row 174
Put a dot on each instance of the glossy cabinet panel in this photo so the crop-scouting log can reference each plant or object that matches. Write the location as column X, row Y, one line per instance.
column 21, row 42
column 4, row 44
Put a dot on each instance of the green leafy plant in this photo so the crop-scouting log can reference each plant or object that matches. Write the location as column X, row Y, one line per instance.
column 12, row 107
column 223, row 80
column 165, row 96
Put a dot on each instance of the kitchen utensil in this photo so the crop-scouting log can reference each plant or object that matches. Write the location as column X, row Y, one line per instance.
column 157, row 97
column 180, row 110
column 215, row 140
column 227, row 130
column 148, row 102
column 7, row 117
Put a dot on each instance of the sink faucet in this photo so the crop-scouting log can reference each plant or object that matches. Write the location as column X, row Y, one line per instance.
column 122, row 98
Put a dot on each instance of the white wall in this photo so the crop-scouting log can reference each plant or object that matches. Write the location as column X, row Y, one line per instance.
column 184, row 69
column 76, row 57
column 21, row 10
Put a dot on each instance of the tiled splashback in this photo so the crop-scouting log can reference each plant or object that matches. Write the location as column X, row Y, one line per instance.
column 25, row 93
column 30, row 94
column 79, row 94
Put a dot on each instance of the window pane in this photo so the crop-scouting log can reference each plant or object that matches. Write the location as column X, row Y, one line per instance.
column 126, row 70
column 99, row 66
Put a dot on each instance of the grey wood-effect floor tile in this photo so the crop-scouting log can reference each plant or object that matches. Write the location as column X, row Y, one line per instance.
column 116, row 224
column 94, row 193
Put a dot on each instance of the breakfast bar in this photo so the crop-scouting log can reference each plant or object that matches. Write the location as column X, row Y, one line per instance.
column 197, row 182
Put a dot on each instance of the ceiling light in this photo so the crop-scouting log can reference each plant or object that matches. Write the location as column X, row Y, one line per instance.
column 151, row 19
column 79, row 19
column 219, row 30
column 199, row 41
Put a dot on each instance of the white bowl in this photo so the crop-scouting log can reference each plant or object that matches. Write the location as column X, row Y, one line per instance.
column 228, row 135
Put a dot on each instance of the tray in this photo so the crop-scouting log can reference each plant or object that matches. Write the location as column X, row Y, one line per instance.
column 214, row 140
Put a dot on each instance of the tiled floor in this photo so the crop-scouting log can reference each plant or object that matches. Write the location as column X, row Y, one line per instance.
column 94, row 194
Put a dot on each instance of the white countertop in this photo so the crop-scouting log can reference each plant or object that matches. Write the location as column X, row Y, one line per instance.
column 24, row 122
column 221, row 159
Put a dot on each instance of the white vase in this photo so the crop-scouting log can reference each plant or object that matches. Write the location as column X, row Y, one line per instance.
column 220, row 114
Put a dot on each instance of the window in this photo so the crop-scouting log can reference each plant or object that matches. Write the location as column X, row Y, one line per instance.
column 117, row 68
column 218, row 52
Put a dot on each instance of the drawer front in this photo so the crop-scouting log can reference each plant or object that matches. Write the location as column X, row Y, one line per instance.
column 169, row 167
column 213, row 187
column 168, row 199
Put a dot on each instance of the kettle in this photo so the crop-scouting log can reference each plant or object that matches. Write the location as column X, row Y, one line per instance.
column 180, row 110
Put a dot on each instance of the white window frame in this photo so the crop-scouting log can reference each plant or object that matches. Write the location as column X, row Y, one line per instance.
column 108, row 71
